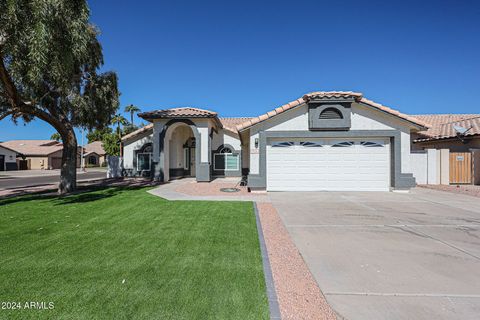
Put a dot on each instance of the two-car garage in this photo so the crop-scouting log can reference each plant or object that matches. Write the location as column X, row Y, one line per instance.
column 312, row 164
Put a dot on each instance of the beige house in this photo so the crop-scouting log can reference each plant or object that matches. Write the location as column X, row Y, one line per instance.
column 37, row 154
column 94, row 154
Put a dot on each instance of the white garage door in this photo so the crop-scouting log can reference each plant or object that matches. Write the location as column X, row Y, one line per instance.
column 328, row 164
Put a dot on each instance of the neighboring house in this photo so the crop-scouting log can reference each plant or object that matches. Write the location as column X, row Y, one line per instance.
column 94, row 154
column 8, row 159
column 322, row 141
column 37, row 154
column 442, row 134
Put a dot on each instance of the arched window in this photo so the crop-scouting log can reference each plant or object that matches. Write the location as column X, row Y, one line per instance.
column 144, row 157
column 331, row 114
column 225, row 150
column 225, row 159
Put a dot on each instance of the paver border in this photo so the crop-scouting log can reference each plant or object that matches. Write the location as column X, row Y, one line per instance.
column 267, row 270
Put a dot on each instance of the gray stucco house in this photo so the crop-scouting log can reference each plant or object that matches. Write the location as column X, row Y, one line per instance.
column 335, row 141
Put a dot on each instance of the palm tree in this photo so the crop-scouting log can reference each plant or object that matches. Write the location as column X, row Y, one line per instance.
column 132, row 110
column 56, row 136
column 118, row 120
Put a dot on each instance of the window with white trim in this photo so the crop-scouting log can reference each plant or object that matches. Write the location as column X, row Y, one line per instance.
column 226, row 160
column 143, row 161
column 344, row 144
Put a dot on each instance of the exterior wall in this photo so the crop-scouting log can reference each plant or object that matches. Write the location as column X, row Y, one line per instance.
column 37, row 163
column 10, row 159
column 363, row 118
column 225, row 137
column 431, row 166
column 129, row 148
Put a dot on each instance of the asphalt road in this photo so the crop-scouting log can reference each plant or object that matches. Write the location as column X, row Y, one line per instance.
column 389, row 255
column 14, row 182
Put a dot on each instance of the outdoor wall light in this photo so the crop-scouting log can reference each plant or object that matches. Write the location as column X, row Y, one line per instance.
column 256, row 143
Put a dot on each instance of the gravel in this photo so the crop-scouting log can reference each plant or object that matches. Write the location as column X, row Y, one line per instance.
column 298, row 294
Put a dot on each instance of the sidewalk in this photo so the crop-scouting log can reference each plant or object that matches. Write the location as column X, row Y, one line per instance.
column 42, row 173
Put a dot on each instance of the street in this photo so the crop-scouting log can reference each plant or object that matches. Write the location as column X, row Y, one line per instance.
column 36, row 178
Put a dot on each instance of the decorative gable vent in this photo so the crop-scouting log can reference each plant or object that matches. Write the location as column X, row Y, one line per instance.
column 331, row 114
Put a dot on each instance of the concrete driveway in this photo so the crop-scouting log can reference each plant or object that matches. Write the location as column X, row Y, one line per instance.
column 390, row 255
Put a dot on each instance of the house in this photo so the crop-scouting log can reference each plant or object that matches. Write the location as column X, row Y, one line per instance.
column 453, row 141
column 442, row 133
column 37, row 154
column 321, row 141
column 94, row 154
column 8, row 159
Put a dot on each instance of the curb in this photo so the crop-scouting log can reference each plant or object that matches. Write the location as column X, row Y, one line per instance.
column 267, row 270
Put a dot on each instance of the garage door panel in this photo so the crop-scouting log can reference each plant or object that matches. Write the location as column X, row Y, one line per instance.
column 356, row 166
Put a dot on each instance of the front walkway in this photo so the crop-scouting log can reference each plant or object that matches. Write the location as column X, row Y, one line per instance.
column 189, row 189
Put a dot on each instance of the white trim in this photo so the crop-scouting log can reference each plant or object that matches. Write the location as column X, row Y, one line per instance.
column 149, row 161
column 225, row 161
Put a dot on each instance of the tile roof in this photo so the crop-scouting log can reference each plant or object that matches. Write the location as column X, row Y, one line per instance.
column 231, row 124
column 137, row 132
column 33, row 147
column 178, row 113
column 96, row 147
column 358, row 97
column 441, row 125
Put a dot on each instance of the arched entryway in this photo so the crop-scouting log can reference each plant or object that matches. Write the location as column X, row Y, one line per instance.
column 180, row 146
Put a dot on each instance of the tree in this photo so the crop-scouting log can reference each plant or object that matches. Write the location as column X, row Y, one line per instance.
column 49, row 69
column 111, row 144
column 118, row 120
column 132, row 110
column 56, row 136
column 97, row 134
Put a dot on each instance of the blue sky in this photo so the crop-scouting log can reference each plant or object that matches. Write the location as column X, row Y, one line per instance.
column 243, row 58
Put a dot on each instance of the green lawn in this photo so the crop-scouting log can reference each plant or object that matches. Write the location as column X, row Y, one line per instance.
column 122, row 253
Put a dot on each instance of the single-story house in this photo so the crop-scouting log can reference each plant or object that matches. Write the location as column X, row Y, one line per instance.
column 37, row 154
column 335, row 141
column 8, row 159
column 445, row 132
column 94, row 154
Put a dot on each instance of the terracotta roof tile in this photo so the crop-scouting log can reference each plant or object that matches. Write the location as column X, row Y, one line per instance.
column 441, row 125
column 33, row 147
column 96, row 147
column 137, row 132
column 178, row 113
column 329, row 95
column 230, row 124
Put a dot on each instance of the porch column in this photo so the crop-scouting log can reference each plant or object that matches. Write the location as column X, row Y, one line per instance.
column 203, row 153
column 158, row 151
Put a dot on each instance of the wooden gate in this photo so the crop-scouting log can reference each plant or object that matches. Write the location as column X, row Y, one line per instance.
column 461, row 167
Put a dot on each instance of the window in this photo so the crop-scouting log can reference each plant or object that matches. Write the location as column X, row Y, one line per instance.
column 143, row 161
column 310, row 144
column 282, row 144
column 371, row 144
column 226, row 160
column 344, row 144
column 331, row 113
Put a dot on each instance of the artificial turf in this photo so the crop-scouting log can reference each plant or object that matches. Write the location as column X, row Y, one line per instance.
column 121, row 253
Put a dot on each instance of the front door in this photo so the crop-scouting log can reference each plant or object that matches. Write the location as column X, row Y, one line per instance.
column 192, row 162
column 2, row 162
